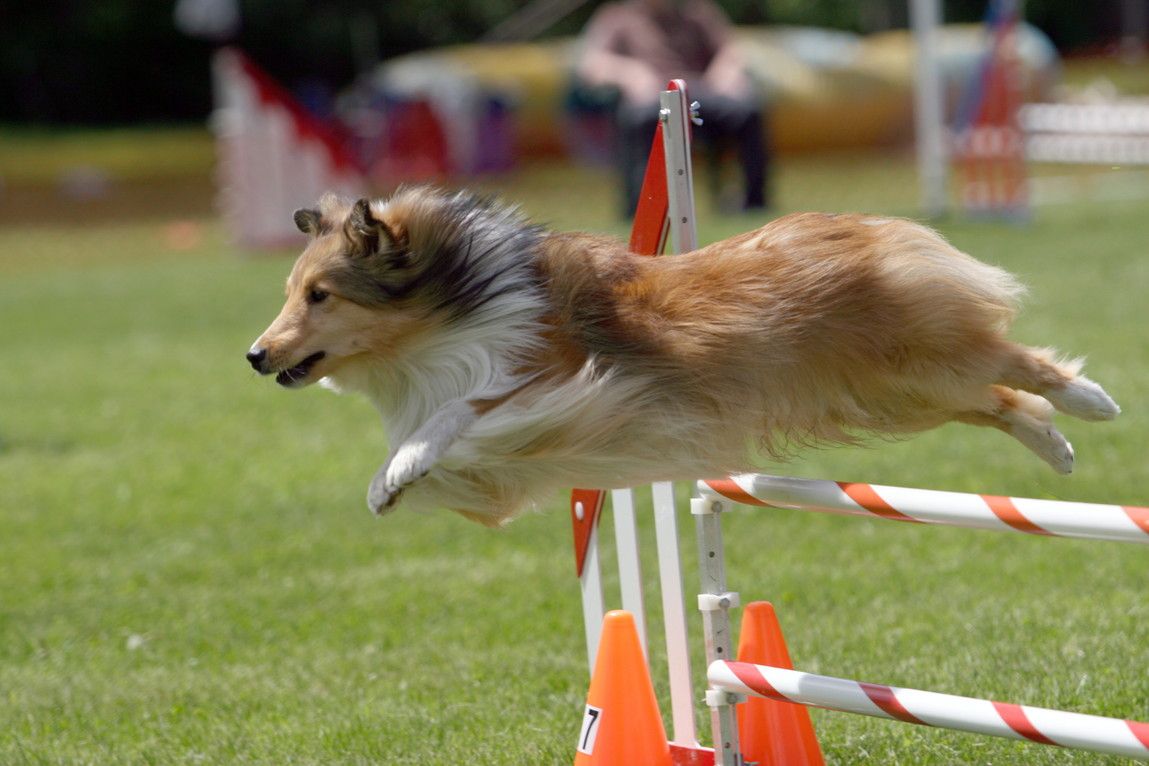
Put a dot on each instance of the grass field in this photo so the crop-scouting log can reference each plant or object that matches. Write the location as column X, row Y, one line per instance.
column 189, row 574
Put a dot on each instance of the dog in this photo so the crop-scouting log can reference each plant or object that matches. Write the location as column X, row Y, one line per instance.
column 509, row 361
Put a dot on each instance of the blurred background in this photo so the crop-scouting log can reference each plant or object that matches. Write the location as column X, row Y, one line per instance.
column 402, row 91
column 127, row 61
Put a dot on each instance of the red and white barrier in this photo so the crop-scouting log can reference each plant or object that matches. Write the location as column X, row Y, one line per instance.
column 1123, row 523
column 998, row 719
column 1091, row 134
column 1121, row 118
column 990, row 148
column 274, row 157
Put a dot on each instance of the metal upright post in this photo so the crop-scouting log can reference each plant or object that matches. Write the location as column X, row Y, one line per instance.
column 715, row 603
column 929, row 109
column 675, row 116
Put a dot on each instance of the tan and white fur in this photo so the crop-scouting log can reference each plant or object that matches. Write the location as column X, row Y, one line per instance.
column 509, row 361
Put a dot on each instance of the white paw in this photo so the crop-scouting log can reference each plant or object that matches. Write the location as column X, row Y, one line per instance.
column 1082, row 398
column 411, row 463
column 1055, row 450
column 1047, row 443
column 382, row 499
column 1060, row 456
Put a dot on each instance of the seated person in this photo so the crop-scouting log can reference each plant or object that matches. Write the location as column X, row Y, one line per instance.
column 637, row 46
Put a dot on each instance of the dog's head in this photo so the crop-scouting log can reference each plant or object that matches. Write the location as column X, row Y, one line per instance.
column 346, row 295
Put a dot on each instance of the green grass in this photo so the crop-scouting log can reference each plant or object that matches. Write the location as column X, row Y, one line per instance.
column 189, row 574
column 31, row 156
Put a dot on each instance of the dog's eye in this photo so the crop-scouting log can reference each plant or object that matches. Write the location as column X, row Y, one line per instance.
column 315, row 295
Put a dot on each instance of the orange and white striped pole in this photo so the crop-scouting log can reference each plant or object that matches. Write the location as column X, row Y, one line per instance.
column 948, row 711
column 1058, row 518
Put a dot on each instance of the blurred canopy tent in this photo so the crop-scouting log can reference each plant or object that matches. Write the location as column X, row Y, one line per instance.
column 813, row 78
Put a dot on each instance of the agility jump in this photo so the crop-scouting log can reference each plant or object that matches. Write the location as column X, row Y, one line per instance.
column 667, row 208
column 1043, row 517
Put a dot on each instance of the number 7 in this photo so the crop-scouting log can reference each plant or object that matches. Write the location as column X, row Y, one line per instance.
column 589, row 733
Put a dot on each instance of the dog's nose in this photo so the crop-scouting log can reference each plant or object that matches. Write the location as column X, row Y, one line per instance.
column 257, row 356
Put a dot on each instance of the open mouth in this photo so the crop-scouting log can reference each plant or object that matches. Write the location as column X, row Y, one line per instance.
column 295, row 375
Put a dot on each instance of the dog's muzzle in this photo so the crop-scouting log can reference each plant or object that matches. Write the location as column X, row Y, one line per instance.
column 290, row 376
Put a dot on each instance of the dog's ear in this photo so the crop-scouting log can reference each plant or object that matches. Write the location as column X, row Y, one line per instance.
column 369, row 235
column 308, row 221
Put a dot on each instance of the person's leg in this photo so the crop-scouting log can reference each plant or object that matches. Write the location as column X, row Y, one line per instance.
column 740, row 120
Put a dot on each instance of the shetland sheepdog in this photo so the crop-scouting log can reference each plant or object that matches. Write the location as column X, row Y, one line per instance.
column 509, row 361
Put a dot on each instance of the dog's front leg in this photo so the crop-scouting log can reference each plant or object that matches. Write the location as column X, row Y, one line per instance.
column 416, row 456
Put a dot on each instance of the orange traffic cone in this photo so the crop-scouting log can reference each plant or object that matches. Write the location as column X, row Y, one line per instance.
column 772, row 733
column 622, row 725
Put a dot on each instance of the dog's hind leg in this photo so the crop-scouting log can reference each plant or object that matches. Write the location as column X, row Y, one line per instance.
column 1035, row 370
column 1025, row 417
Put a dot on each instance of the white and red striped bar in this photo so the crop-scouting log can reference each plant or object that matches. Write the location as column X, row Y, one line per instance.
column 1083, row 149
column 1129, row 118
column 1123, row 523
column 948, row 711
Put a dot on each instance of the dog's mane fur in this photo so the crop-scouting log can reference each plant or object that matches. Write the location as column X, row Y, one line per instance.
column 462, row 260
